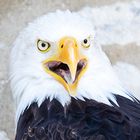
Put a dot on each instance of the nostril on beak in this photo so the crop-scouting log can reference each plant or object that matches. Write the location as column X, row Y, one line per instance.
column 62, row 46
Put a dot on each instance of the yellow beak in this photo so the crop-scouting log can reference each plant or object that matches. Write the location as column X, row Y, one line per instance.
column 68, row 65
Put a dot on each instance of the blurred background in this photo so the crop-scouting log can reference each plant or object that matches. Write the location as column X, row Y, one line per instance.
column 117, row 25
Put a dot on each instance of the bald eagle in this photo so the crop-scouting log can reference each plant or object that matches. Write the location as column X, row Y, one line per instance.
column 64, row 85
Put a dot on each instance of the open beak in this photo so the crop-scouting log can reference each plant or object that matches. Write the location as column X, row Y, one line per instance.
column 68, row 65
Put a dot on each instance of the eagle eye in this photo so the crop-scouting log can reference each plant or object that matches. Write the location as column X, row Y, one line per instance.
column 43, row 46
column 86, row 43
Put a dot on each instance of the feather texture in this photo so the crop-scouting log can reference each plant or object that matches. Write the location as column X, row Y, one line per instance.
column 80, row 120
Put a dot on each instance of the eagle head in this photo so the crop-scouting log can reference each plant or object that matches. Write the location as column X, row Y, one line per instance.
column 58, row 56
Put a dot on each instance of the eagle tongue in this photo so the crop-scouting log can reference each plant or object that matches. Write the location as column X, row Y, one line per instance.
column 65, row 74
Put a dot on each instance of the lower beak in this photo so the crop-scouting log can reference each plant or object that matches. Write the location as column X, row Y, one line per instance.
column 68, row 65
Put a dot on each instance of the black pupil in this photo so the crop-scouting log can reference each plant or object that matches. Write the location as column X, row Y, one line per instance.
column 85, row 41
column 43, row 44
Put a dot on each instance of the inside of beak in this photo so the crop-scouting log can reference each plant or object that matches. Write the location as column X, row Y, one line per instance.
column 63, row 70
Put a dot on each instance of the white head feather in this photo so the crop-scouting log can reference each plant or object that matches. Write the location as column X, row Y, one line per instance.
column 29, row 82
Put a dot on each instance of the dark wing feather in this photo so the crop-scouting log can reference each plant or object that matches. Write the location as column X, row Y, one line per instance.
column 80, row 120
column 131, row 108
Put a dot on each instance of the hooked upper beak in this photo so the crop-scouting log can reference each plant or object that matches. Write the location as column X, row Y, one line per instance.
column 68, row 65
